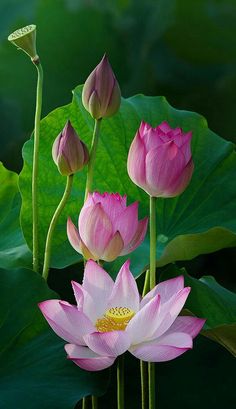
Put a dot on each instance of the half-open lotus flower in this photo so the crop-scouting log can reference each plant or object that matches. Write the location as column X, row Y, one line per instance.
column 160, row 160
column 107, row 227
column 111, row 318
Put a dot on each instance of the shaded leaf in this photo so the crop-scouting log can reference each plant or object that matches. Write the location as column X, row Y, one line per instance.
column 14, row 252
column 210, row 300
column 34, row 370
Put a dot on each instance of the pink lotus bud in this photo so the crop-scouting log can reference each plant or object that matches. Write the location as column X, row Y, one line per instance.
column 101, row 93
column 160, row 160
column 69, row 153
column 107, row 227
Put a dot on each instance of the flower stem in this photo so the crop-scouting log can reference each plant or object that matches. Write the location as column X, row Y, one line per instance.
column 153, row 242
column 144, row 365
column 92, row 156
column 38, row 109
column 94, row 402
column 88, row 188
column 60, row 207
column 144, row 384
column 120, row 383
column 85, row 403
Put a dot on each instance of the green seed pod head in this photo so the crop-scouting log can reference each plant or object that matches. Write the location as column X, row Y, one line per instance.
column 25, row 39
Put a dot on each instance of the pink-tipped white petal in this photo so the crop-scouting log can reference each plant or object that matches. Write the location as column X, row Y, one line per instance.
column 164, row 349
column 114, row 248
column 112, row 343
column 187, row 324
column 78, row 293
column 87, row 359
column 125, row 291
column 176, row 339
column 170, row 310
column 76, row 242
column 66, row 320
column 166, row 290
column 98, row 284
column 85, row 302
column 127, row 222
column 144, row 323
column 95, row 229
column 138, row 237
column 73, row 235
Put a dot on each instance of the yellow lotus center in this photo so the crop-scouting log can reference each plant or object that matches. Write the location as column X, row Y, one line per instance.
column 114, row 319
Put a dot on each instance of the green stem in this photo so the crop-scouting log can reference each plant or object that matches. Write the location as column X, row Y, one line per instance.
column 88, row 188
column 94, row 402
column 92, row 156
column 85, row 402
column 120, row 383
column 144, row 365
column 144, row 384
column 38, row 109
column 146, row 286
column 153, row 242
column 60, row 207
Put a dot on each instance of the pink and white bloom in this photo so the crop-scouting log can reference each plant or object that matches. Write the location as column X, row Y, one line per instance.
column 111, row 318
column 107, row 228
column 160, row 160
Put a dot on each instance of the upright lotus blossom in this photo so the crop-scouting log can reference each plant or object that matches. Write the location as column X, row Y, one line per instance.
column 107, row 227
column 69, row 153
column 101, row 92
column 111, row 318
column 160, row 160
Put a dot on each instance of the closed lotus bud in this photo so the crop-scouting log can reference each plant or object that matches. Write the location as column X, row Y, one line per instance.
column 69, row 153
column 160, row 160
column 108, row 228
column 101, row 92
column 25, row 39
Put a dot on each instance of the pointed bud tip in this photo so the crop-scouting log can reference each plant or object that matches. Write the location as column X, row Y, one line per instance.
column 69, row 153
column 101, row 95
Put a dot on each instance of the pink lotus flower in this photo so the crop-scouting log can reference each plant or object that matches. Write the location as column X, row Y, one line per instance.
column 160, row 160
column 101, row 92
column 107, row 227
column 110, row 318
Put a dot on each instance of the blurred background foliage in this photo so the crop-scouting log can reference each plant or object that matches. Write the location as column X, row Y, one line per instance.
column 183, row 49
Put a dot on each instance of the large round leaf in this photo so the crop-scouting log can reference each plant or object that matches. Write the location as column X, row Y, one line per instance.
column 199, row 221
column 34, row 370
column 14, row 252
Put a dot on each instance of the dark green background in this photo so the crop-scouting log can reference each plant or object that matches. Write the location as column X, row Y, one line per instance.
column 184, row 49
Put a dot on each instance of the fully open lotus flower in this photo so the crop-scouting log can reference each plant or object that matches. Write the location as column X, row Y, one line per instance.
column 69, row 153
column 107, row 227
column 111, row 318
column 101, row 92
column 160, row 160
